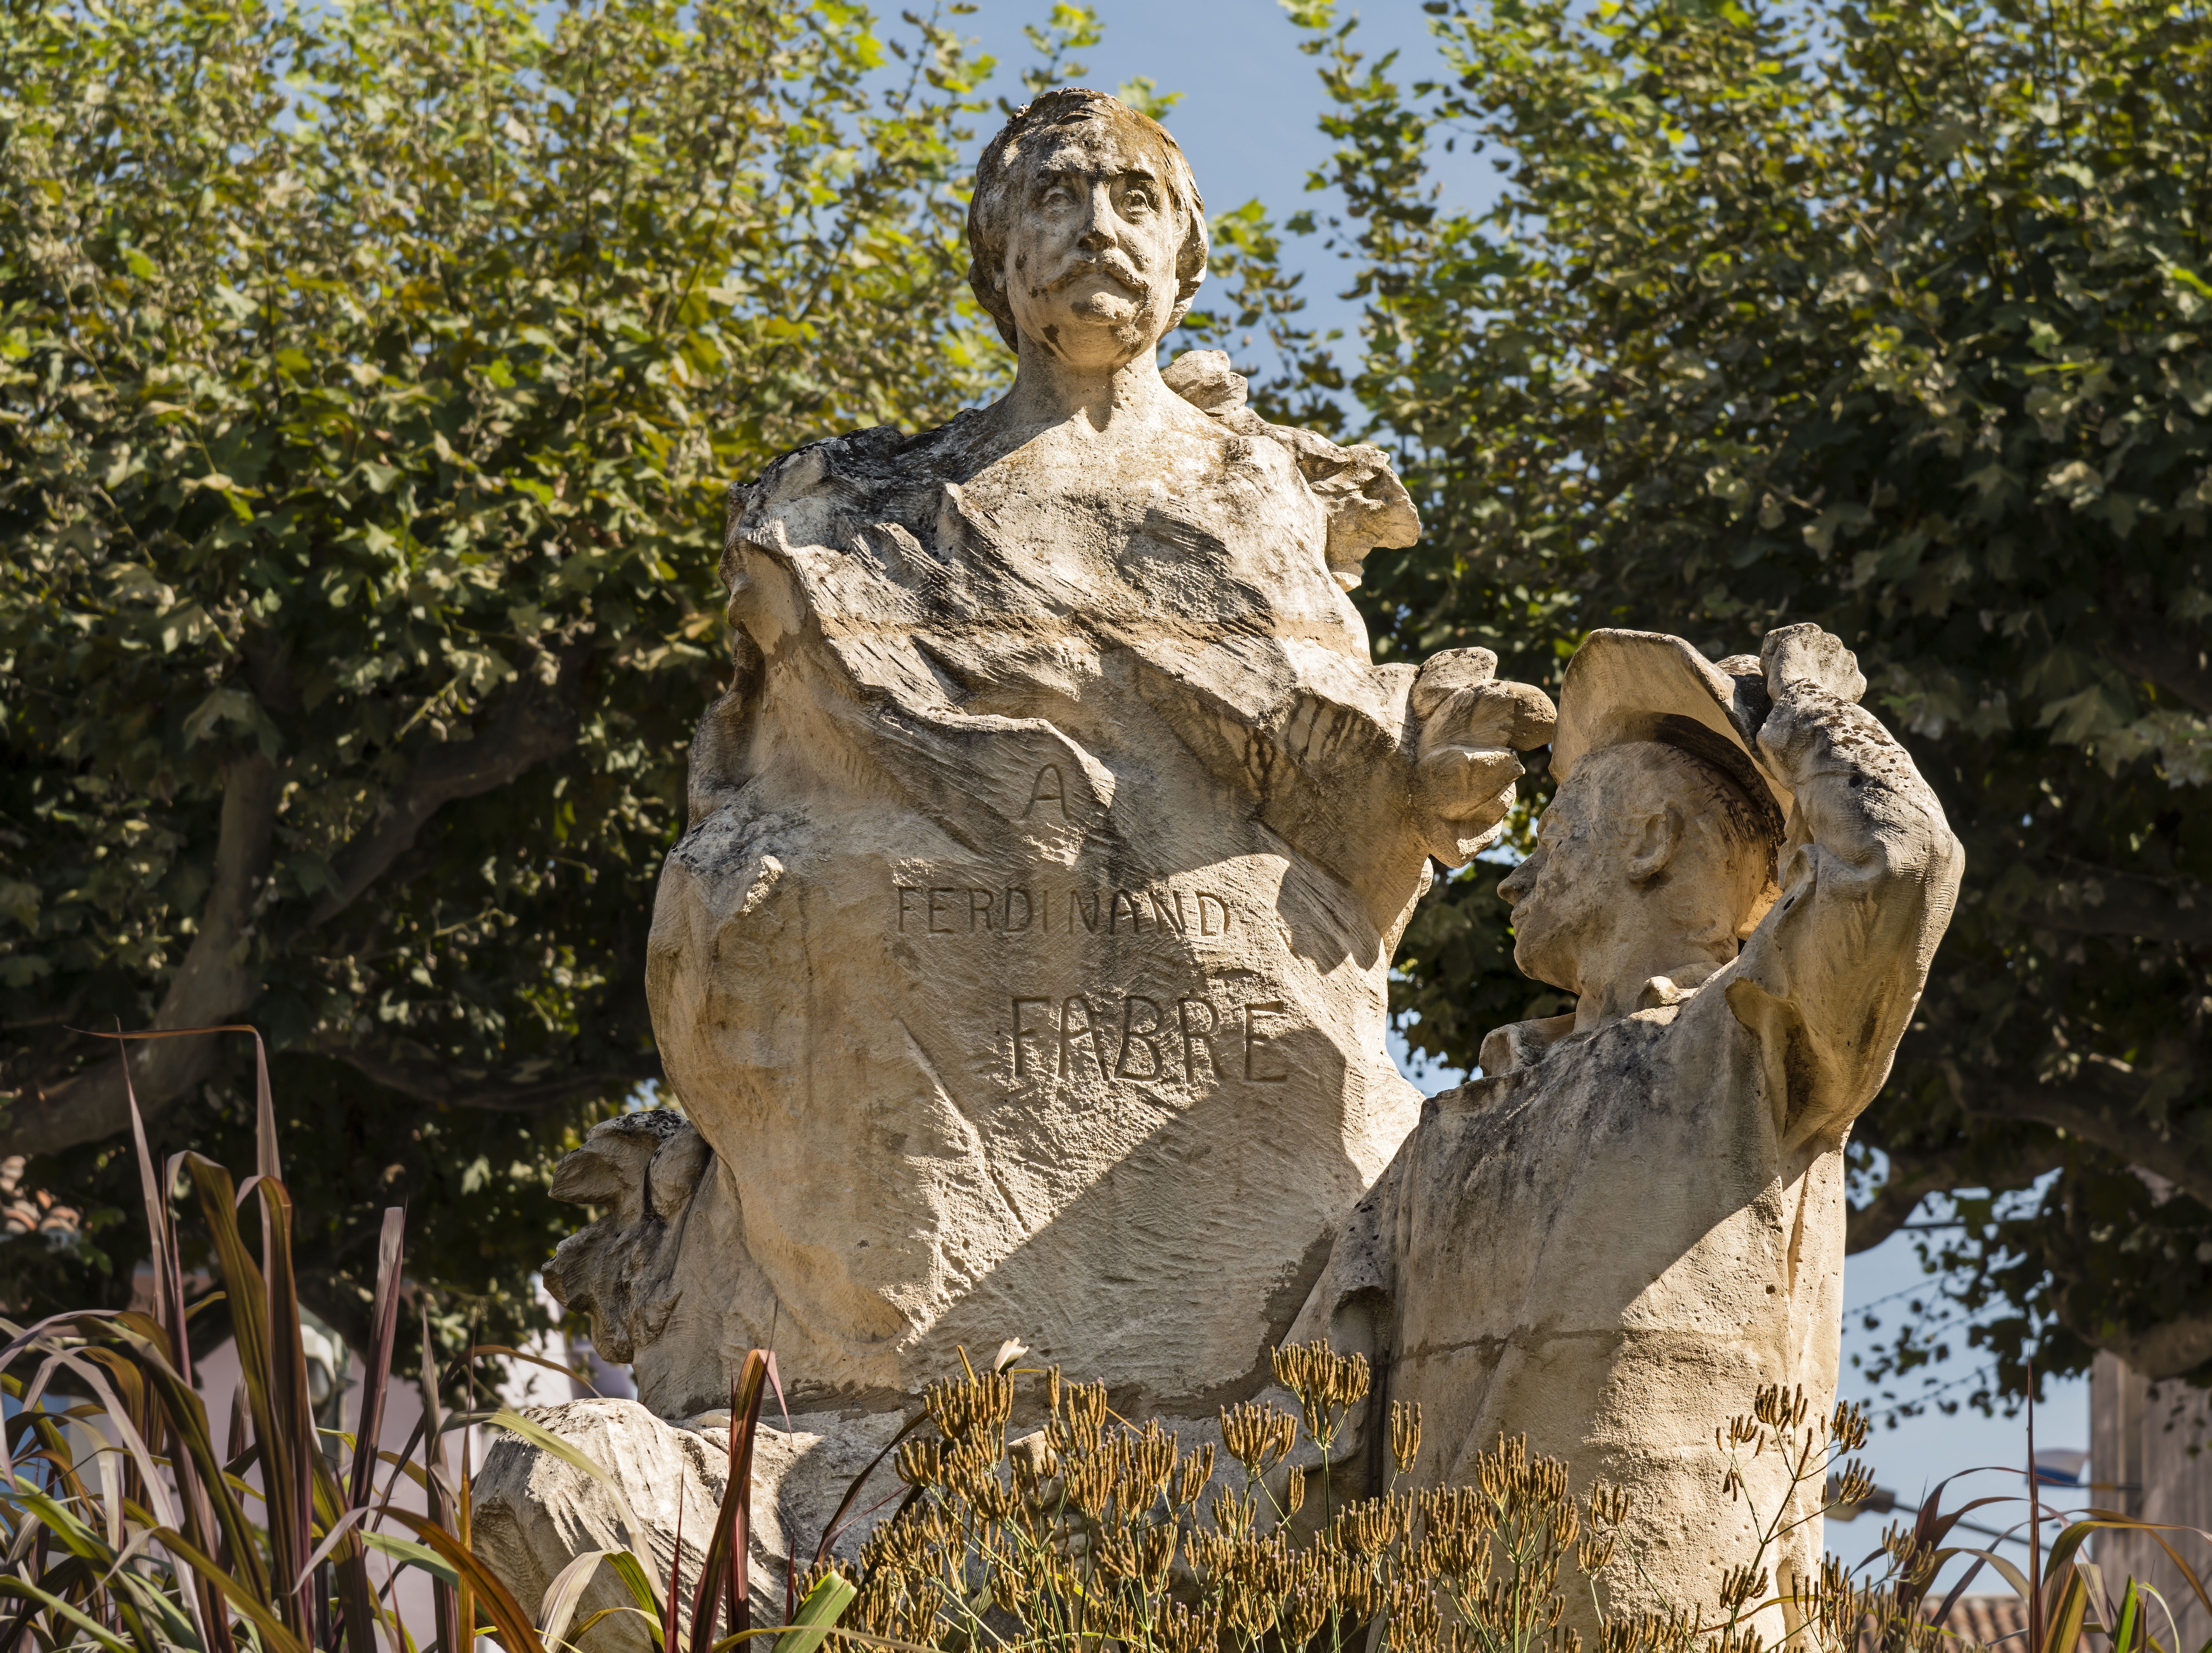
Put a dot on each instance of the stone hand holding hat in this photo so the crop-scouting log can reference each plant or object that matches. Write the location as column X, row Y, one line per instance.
column 1791, row 655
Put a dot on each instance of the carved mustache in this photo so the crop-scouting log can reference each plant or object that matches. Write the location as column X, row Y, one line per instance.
column 1113, row 268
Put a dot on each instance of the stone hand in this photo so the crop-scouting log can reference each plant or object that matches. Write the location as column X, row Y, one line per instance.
column 1472, row 726
column 1792, row 656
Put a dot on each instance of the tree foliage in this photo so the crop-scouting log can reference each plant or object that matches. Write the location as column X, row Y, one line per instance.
column 370, row 378
column 1898, row 318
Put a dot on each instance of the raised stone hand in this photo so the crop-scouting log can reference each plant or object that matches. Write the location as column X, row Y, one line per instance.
column 1800, row 655
column 1472, row 726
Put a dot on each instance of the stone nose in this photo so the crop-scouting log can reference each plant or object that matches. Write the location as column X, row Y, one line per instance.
column 1517, row 883
column 1097, row 231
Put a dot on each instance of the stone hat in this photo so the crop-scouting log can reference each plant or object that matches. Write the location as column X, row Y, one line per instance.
column 1625, row 686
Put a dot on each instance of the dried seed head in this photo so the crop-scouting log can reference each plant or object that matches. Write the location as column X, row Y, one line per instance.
column 1305, row 1614
column 916, row 1462
column 1327, row 1384
column 1780, row 1406
column 1232, row 1514
column 1294, row 1491
column 1739, row 1584
column 1414, row 1616
column 1405, row 1433
column 1181, row 1630
column 1148, row 1458
column 1608, row 1505
column 1090, row 1484
column 1855, row 1485
column 1192, row 1475
column 1159, row 1555
column 1258, row 1435
column 961, row 1408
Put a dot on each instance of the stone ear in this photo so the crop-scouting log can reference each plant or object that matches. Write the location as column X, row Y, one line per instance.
column 1656, row 837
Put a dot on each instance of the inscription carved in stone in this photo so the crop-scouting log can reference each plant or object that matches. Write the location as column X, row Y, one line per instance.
column 1019, row 910
column 1172, row 1040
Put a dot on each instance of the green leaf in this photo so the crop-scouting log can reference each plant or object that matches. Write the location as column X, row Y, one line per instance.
column 818, row 1614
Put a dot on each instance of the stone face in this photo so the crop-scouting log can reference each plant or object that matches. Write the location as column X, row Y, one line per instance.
column 1635, row 1217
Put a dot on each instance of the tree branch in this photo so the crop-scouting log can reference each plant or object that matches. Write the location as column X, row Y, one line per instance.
column 2096, row 1115
column 216, row 983
column 2168, row 1349
column 1911, row 1180
column 533, row 721
column 417, row 1071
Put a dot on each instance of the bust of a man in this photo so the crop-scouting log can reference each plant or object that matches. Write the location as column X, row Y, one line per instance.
column 1023, row 967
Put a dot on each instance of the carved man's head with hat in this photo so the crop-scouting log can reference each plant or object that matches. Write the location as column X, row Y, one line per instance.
column 1659, row 849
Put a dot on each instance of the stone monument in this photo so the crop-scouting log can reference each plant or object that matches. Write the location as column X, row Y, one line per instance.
column 1635, row 1217
column 1022, row 970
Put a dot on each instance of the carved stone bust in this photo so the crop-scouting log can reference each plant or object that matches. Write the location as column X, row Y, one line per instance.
column 1023, row 966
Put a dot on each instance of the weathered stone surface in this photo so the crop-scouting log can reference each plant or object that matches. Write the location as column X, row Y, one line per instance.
column 533, row 1512
column 1023, row 971
column 1024, row 964
column 1635, row 1217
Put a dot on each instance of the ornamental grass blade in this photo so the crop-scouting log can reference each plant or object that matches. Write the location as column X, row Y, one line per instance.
column 507, row 1351
column 2118, row 1523
column 275, row 1635
column 31, row 1593
column 566, row 1592
column 644, row 1590
column 2124, row 1629
column 161, row 1233
column 291, row 1403
column 727, row 1570
column 516, row 1633
column 2067, row 1616
column 248, row 1295
column 445, row 1599
column 2012, row 1574
column 357, row 1601
column 635, row 1533
column 818, row 1614
column 837, row 1520
column 675, row 1576
column 791, row 1551
column 409, row 1554
column 376, row 1373
column 105, row 1399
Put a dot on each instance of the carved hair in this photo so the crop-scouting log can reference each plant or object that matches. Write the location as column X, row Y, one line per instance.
column 999, row 176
